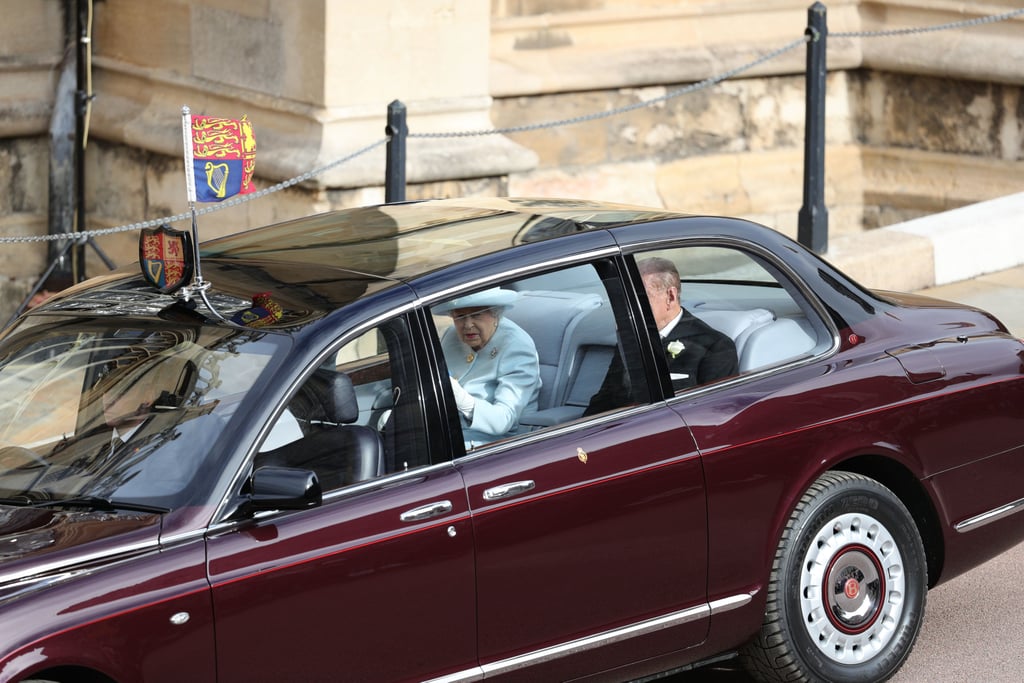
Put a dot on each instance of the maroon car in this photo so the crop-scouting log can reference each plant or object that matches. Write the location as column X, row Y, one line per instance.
column 444, row 441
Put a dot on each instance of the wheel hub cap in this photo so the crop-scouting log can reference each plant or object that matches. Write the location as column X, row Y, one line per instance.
column 852, row 588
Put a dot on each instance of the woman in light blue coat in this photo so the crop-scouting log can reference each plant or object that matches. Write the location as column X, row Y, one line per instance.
column 493, row 363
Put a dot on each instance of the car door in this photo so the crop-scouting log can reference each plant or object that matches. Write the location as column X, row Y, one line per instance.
column 590, row 534
column 377, row 583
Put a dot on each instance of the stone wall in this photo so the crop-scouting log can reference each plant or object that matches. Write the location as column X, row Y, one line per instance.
column 732, row 149
column 897, row 147
column 23, row 189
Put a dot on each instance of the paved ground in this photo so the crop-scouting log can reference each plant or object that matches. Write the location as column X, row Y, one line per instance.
column 972, row 631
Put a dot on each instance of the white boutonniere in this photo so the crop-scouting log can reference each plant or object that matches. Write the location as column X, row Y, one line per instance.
column 675, row 347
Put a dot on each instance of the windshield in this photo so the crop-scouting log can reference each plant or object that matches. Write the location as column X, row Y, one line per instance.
column 95, row 409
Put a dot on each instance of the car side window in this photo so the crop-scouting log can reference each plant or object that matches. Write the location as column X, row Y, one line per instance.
column 357, row 416
column 722, row 311
column 535, row 352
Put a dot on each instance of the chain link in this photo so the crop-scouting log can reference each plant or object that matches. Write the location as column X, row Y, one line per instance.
column 81, row 237
column 966, row 23
column 706, row 83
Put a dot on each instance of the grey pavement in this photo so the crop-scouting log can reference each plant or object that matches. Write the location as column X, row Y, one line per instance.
column 971, row 631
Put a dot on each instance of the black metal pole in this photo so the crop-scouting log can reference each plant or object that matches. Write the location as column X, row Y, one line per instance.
column 812, row 223
column 62, row 180
column 397, row 131
column 82, row 104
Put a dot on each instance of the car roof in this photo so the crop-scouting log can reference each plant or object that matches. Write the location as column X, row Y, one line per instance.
column 408, row 240
column 314, row 265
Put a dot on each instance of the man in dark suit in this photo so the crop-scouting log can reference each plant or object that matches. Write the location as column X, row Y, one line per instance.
column 697, row 353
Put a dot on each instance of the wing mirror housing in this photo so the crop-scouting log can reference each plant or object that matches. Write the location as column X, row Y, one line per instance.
column 284, row 488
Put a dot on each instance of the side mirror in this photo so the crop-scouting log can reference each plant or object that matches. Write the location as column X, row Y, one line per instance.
column 284, row 488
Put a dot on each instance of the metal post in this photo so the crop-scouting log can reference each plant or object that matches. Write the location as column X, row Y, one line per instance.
column 397, row 131
column 62, row 178
column 812, row 223
column 82, row 97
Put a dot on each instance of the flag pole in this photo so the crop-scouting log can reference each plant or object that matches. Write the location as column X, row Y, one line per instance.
column 190, row 188
column 199, row 285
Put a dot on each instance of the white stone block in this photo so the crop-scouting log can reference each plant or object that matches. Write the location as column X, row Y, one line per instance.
column 973, row 240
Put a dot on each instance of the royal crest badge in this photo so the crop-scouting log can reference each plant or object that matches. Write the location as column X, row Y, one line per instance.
column 166, row 258
column 264, row 311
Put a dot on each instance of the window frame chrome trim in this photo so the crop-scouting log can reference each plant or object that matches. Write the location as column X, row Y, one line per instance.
column 219, row 516
column 744, row 244
column 526, row 438
column 582, row 258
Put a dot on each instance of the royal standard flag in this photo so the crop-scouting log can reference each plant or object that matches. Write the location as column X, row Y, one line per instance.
column 220, row 157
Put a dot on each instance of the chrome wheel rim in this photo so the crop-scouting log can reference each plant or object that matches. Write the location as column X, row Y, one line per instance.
column 852, row 588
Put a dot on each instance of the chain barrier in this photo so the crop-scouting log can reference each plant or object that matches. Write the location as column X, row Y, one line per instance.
column 693, row 87
column 953, row 25
column 83, row 236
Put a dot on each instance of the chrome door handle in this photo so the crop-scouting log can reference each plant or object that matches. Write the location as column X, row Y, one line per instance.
column 507, row 490
column 435, row 509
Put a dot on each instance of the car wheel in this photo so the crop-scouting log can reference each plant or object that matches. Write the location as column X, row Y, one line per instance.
column 847, row 589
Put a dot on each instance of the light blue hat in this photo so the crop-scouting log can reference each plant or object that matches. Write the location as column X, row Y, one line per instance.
column 496, row 297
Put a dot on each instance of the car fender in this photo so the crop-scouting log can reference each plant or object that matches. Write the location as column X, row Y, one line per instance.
column 161, row 599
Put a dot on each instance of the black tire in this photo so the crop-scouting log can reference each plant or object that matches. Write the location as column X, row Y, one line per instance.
column 853, row 534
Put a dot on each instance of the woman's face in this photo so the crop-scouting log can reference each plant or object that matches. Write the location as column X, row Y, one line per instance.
column 475, row 326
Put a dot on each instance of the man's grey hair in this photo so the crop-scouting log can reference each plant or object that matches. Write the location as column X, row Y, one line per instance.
column 665, row 273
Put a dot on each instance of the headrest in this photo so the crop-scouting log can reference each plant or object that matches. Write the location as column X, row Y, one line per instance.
column 327, row 396
column 343, row 409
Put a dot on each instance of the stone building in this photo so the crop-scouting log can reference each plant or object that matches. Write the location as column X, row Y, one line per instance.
column 916, row 121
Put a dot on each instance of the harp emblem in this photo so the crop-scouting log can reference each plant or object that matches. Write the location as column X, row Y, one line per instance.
column 217, row 178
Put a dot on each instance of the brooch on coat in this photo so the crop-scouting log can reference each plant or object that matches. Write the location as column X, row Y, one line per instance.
column 493, row 354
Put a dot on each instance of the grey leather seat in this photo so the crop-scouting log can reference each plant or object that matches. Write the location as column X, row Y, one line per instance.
column 575, row 338
column 338, row 450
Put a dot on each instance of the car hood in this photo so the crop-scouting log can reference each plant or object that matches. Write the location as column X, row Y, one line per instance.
column 35, row 541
